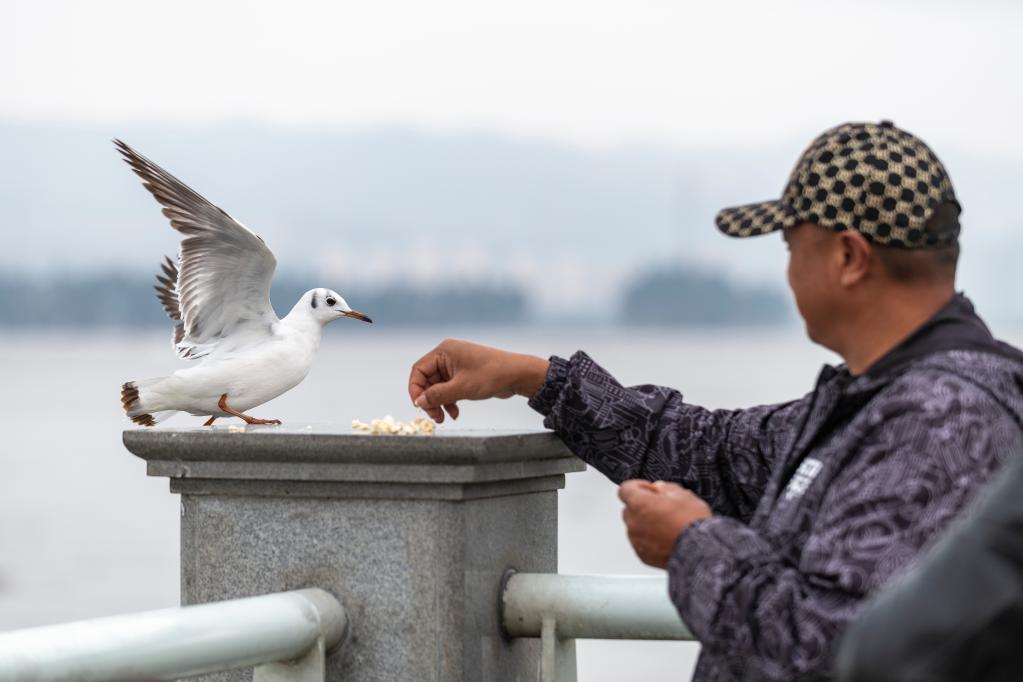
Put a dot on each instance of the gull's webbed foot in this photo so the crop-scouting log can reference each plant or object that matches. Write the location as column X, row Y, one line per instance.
column 248, row 420
column 253, row 420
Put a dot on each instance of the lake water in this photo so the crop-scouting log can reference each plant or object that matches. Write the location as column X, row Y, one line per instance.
column 84, row 532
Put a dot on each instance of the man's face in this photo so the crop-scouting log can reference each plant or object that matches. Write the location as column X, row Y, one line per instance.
column 812, row 277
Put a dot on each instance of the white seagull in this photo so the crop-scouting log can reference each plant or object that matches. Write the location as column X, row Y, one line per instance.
column 220, row 294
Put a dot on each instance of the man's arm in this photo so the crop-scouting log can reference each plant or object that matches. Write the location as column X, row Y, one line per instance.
column 779, row 615
column 648, row 432
column 460, row 370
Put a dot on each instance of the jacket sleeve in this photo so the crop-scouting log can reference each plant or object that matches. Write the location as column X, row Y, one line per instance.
column 958, row 614
column 778, row 614
column 724, row 456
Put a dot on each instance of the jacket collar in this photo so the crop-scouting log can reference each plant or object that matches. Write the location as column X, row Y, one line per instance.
column 956, row 326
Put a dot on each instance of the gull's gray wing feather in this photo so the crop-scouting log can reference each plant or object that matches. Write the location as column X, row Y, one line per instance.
column 167, row 292
column 223, row 287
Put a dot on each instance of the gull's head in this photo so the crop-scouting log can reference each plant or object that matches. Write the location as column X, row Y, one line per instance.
column 326, row 305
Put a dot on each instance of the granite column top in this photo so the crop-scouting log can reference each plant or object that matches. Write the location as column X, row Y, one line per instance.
column 332, row 461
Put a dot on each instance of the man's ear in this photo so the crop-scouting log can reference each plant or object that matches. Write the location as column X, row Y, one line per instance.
column 856, row 255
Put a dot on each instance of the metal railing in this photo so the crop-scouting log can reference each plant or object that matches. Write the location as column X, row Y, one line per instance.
column 284, row 636
column 562, row 608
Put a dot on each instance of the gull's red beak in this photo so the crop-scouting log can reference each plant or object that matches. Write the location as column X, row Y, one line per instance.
column 355, row 314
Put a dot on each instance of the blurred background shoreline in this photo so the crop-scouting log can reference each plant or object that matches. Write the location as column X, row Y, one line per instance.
column 421, row 227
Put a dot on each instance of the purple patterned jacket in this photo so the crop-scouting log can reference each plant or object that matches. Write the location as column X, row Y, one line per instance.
column 818, row 501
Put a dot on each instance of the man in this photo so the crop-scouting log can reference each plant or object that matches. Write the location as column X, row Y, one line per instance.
column 774, row 522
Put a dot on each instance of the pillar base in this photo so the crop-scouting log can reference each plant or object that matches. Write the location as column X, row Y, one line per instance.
column 412, row 533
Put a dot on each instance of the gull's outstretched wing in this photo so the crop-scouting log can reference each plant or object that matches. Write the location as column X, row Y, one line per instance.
column 223, row 288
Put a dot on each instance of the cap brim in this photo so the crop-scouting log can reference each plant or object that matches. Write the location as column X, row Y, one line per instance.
column 752, row 220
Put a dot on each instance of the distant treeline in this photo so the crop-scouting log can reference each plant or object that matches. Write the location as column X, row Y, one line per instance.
column 668, row 297
column 674, row 296
column 122, row 301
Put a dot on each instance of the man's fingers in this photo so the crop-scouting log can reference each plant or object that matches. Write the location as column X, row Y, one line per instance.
column 437, row 395
column 418, row 383
column 669, row 489
column 420, row 377
column 415, row 390
column 432, row 368
column 452, row 409
column 629, row 490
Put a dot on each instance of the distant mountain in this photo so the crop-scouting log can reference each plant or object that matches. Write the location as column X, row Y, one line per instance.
column 568, row 227
column 565, row 224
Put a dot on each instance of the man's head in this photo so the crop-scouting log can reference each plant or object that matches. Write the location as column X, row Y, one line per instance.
column 839, row 278
column 870, row 218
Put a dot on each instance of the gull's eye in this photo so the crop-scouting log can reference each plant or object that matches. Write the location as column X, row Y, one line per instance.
column 330, row 301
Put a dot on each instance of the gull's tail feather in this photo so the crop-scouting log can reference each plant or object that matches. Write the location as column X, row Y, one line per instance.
column 134, row 405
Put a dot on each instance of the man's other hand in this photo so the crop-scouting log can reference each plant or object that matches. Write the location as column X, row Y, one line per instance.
column 460, row 370
column 656, row 514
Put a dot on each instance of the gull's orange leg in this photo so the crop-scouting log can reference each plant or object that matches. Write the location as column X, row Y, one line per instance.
column 248, row 420
column 209, row 422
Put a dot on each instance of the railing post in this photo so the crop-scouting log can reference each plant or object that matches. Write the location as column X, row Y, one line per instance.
column 412, row 533
column 557, row 663
column 309, row 668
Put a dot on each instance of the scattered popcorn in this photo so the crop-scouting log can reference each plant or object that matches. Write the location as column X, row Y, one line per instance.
column 235, row 429
column 388, row 426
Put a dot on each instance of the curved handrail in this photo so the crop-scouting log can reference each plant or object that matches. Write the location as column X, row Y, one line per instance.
column 591, row 606
column 173, row 643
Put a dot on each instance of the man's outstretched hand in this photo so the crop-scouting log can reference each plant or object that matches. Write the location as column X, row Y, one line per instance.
column 459, row 370
column 656, row 514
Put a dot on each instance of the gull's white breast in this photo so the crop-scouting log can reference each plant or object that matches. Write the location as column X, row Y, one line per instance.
column 250, row 374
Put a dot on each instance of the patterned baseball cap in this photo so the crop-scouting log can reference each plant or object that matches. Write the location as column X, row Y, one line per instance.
column 870, row 177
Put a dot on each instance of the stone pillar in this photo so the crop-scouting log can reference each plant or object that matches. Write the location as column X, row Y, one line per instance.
column 412, row 533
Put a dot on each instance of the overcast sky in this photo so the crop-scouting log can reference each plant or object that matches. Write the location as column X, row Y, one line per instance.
column 584, row 72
